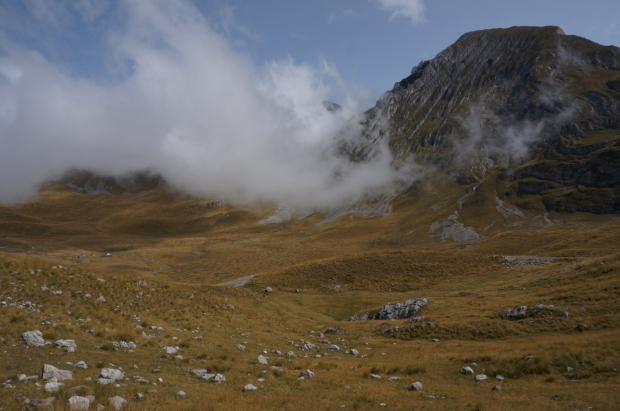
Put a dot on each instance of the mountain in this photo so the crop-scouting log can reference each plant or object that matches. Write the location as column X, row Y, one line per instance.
column 531, row 107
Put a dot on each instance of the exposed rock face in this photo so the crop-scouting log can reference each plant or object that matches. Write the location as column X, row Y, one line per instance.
column 33, row 339
column 510, row 104
column 405, row 309
column 523, row 311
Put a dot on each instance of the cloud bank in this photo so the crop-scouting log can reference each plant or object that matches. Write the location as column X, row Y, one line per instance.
column 412, row 9
column 189, row 107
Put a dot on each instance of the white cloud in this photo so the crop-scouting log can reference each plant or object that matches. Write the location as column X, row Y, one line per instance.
column 189, row 107
column 412, row 9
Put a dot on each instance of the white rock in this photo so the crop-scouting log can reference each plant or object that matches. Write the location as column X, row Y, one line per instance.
column 33, row 338
column 81, row 365
column 102, row 300
column 416, row 386
column 354, row 351
column 49, row 372
column 394, row 379
column 181, row 394
column 249, row 387
column 467, row 371
column 78, row 403
column 66, row 344
column 262, row 360
column 200, row 372
column 291, row 354
column 116, row 402
column 170, row 350
column 110, row 374
column 307, row 374
column 219, row 378
column 268, row 289
column 22, row 378
column 481, row 377
column 375, row 376
column 239, row 346
column 334, row 347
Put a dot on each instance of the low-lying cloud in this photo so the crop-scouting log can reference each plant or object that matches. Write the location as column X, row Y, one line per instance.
column 189, row 107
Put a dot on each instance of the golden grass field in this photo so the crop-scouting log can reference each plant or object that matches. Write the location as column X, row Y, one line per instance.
column 183, row 249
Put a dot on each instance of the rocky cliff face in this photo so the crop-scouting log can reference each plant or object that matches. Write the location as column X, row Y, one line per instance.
column 529, row 105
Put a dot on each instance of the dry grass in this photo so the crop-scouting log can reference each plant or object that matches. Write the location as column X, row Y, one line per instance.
column 340, row 268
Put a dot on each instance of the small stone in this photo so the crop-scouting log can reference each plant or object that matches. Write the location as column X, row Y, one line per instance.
column 375, row 377
column 467, row 371
column 394, row 379
column 481, row 377
column 139, row 396
column 582, row 327
column 528, row 358
column 262, row 360
column 307, row 374
column 53, row 386
column 499, row 377
column 416, row 386
column 249, row 387
column 81, row 365
column 496, row 388
column 181, row 394
column 334, row 347
column 170, row 350
column 268, row 289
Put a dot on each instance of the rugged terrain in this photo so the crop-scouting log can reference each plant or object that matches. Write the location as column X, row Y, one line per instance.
column 510, row 235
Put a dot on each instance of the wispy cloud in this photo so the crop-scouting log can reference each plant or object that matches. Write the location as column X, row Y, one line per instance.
column 412, row 9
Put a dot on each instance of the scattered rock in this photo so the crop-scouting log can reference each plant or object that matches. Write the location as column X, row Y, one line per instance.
column 268, row 289
column 81, row 365
column 334, row 347
column 499, row 377
column 307, row 374
column 416, row 386
column 528, row 358
column 354, row 351
column 116, row 402
column 170, row 350
column 291, row 354
column 181, row 394
column 416, row 319
column 496, row 388
column 249, row 387
column 375, row 376
column 102, row 300
column 219, row 378
column 239, row 346
column 262, row 360
column 467, row 371
column 109, row 375
column 394, row 379
column 405, row 309
column 139, row 396
column 569, row 369
column 481, row 377
column 200, row 372
column 523, row 311
column 582, row 327
column 66, row 344
column 49, row 372
column 33, row 338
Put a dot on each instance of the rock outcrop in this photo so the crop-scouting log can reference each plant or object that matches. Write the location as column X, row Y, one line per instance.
column 405, row 309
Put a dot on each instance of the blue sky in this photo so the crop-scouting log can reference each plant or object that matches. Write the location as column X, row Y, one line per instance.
column 372, row 43
column 226, row 98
